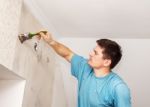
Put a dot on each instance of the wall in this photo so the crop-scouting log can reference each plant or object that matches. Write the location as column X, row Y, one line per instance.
column 11, row 93
column 10, row 84
column 39, row 68
column 11, row 88
column 134, row 67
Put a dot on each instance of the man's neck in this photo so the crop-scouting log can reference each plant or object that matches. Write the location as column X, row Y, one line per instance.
column 101, row 72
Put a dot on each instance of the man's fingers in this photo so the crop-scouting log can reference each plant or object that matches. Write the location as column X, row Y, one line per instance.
column 38, row 37
column 41, row 34
column 42, row 31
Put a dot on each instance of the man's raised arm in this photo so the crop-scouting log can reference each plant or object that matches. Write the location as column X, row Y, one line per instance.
column 59, row 48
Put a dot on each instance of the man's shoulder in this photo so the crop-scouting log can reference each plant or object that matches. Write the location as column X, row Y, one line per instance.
column 78, row 57
column 80, row 67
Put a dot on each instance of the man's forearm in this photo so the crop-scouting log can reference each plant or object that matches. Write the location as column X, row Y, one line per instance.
column 60, row 48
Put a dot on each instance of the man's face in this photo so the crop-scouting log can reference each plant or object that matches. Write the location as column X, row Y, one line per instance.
column 96, row 59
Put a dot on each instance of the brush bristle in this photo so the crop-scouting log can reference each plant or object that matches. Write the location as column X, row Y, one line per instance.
column 22, row 38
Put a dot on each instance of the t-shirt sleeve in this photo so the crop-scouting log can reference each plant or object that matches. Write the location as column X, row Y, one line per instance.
column 77, row 65
column 122, row 96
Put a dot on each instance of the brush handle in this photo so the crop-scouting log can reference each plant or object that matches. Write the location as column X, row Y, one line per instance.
column 30, row 35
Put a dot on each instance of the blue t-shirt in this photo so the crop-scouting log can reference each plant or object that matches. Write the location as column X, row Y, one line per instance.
column 107, row 91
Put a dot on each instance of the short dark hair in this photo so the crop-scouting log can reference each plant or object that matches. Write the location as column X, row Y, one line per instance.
column 112, row 51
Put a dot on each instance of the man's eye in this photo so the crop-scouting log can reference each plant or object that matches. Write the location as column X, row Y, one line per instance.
column 95, row 52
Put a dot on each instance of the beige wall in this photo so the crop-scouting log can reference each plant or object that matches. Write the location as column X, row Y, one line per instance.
column 37, row 67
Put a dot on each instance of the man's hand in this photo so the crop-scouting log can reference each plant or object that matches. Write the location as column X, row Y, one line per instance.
column 46, row 36
column 59, row 48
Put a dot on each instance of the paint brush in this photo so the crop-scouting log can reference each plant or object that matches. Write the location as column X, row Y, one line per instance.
column 25, row 36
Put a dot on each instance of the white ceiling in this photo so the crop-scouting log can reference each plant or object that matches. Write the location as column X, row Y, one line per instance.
column 96, row 18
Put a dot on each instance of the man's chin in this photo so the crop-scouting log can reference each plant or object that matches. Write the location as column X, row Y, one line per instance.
column 88, row 61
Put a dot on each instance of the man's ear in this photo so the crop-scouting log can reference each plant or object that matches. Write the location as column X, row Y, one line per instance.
column 107, row 62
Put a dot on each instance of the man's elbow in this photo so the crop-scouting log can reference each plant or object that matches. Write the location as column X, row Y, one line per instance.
column 69, row 56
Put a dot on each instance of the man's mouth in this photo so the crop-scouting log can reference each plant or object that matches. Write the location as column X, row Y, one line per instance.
column 90, row 59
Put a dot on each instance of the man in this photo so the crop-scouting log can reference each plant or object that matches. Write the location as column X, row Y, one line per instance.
column 98, row 85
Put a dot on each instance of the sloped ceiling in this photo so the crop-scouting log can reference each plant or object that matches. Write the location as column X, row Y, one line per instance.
column 97, row 18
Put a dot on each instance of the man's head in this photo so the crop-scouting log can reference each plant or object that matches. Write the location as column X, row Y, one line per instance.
column 107, row 53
